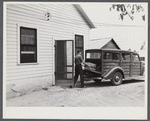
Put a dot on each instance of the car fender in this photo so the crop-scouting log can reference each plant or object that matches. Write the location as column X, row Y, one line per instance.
column 109, row 74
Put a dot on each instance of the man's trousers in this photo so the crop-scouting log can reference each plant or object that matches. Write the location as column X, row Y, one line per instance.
column 79, row 71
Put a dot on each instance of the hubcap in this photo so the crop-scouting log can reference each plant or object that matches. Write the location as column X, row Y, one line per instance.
column 117, row 78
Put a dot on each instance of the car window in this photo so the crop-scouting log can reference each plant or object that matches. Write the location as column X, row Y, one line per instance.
column 125, row 57
column 93, row 55
column 115, row 56
column 111, row 56
column 135, row 57
column 107, row 56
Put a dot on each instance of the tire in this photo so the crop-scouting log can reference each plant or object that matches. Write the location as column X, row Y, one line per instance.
column 117, row 79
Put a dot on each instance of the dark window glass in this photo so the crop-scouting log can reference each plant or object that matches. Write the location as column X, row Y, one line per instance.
column 126, row 57
column 28, row 45
column 115, row 56
column 79, row 44
column 111, row 56
column 142, row 58
column 107, row 56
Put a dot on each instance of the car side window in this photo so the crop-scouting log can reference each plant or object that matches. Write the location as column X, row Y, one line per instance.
column 135, row 57
column 107, row 56
column 125, row 57
column 115, row 56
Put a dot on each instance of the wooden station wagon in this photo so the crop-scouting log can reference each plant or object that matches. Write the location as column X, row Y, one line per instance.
column 112, row 64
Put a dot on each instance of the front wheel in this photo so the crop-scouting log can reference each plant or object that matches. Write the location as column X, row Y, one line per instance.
column 117, row 79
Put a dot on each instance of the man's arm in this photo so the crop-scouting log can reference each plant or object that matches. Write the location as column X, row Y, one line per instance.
column 82, row 61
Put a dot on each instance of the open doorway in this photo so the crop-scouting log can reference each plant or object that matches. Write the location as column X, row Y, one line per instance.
column 64, row 61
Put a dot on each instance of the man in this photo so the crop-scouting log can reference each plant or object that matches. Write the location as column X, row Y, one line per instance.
column 78, row 69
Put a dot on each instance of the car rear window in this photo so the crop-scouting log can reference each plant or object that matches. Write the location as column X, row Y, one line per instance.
column 93, row 55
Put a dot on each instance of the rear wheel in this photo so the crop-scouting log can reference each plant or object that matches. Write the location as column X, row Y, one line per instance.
column 117, row 79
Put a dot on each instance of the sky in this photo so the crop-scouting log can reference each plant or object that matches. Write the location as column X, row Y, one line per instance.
column 128, row 34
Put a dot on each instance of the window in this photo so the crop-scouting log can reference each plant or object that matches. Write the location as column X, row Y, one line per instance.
column 111, row 56
column 135, row 57
column 28, row 45
column 125, row 57
column 93, row 55
column 115, row 56
column 142, row 58
column 79, row 44
column 107, row 56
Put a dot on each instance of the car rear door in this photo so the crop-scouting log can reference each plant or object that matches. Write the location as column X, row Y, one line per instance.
column 126, row 63
column 136, row 65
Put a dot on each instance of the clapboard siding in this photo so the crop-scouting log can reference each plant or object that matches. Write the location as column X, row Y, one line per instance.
column 39, row 9
column 16, row 78
column 65, row 22
column 53, row 20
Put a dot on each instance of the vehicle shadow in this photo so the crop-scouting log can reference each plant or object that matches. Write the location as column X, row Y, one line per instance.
column 108, row 83
column 90, row 84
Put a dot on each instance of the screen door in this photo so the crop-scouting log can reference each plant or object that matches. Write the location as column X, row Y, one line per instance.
column 64, row 60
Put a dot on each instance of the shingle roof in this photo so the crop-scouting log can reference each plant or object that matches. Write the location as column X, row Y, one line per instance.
column 99, row 43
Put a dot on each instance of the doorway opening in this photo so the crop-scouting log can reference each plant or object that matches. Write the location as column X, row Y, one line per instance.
column 64, row 61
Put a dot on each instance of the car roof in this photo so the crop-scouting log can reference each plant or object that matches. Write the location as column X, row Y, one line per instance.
column 112, row 50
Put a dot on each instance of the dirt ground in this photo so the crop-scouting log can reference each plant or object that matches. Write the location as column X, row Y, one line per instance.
column 129, row 94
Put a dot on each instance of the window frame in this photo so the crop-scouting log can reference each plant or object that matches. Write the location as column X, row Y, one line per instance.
column 111, row 55
column 127, row 53
column 82, row 44
column 133, row 57
column 19, row 44
column 95, row 52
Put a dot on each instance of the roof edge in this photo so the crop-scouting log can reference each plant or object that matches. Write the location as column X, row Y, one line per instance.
column 91, row 25
column 115, row 43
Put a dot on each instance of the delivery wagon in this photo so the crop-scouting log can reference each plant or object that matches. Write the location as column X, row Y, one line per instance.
column 112, row 64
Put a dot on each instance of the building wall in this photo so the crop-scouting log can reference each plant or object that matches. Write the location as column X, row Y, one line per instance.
column 63, row 25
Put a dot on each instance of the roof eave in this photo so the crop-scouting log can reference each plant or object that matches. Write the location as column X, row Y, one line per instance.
column 91, row 25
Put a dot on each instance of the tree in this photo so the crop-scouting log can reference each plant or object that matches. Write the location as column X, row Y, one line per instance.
column 127, row 9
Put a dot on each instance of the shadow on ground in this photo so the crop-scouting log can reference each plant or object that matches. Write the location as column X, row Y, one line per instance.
column 108, row 83
column 90, row 84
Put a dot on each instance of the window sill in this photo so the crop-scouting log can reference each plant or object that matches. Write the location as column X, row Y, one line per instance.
column 21, row 64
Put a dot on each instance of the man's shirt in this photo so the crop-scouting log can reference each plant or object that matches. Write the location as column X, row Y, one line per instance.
column 78, row 59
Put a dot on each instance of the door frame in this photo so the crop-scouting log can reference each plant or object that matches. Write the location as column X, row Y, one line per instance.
column 55, row 60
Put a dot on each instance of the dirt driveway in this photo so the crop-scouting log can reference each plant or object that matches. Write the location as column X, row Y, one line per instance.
column 130, row 94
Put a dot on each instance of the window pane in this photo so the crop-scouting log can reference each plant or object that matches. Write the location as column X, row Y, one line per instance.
column 107, row 56
column 115, row 56
column 125, row 57
column 28, row 36
column 23, row 32
column 135, row 57
column 27, row 58
column 79, row 41
column 28, row 46
column 79, row 44
column 93, row 55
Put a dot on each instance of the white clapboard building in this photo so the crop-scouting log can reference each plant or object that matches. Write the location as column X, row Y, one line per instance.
column 40, row 42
